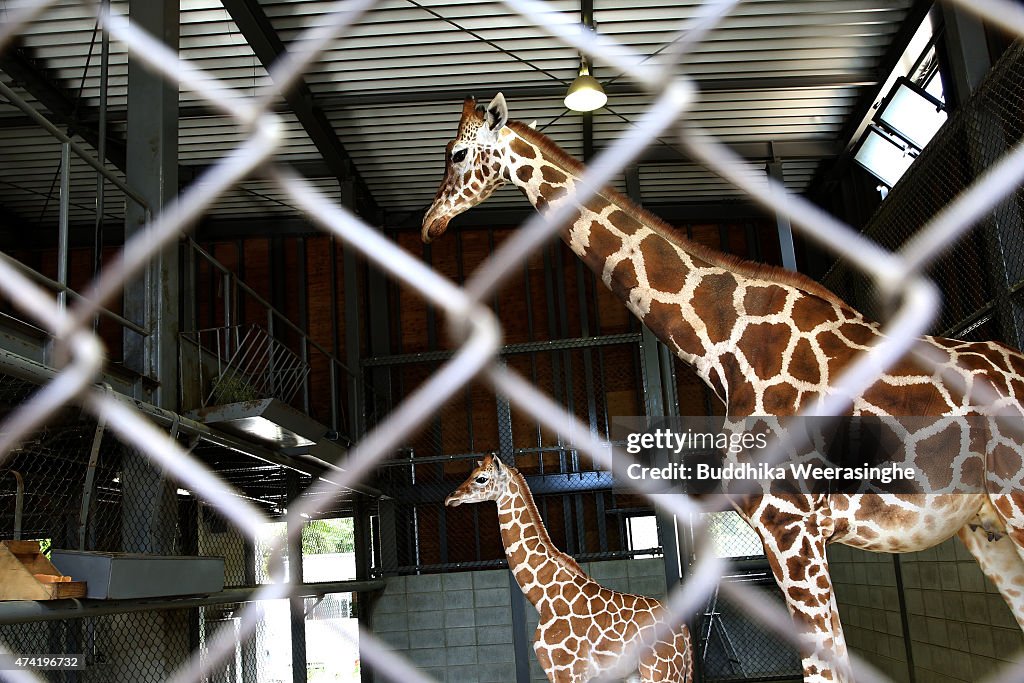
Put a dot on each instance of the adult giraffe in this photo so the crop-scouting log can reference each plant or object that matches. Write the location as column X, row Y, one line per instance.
column 767, row 342
column 584, row 629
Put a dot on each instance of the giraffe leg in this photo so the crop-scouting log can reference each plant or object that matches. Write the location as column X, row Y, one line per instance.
column 999, row 555
column 668, row 662
column 796, row 552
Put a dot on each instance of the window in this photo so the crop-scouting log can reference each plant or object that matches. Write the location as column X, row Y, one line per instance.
column 642, row 533
column 907, row 120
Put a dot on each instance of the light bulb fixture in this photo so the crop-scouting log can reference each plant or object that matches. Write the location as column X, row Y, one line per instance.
column 585, row 93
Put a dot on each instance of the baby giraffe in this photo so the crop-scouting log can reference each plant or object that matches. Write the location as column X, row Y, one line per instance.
column 585, row 629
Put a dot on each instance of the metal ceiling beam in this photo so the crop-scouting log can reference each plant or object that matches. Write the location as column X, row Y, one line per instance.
column 258, row 30
column 62, row 107
column 753, row 151
column 587, row 19
column 335, row 102
column 212, row 229
column 557, row 90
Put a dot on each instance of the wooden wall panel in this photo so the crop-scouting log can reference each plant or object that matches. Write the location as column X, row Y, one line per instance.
column 319, row 289
column 256, row 253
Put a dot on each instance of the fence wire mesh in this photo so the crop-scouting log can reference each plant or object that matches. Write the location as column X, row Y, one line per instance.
column 977, row 134
column 38, row 419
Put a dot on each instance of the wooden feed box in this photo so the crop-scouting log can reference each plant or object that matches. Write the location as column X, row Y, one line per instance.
column 26, row 574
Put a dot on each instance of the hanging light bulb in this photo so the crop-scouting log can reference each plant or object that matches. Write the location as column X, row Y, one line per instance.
column 585, row 93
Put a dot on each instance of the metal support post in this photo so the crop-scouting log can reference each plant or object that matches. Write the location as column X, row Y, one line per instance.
column 520, row 638
column 353, row 322
column 296, row 604
column 380, row 340
column 101, row 149
column 89, row 488
column 149, row 501
column 152, row 164
column 363, row 543
column 786, row 248
column 19, row 502
column 250, row 650
column 388, row 537
column 904, row 618
column 62, row 221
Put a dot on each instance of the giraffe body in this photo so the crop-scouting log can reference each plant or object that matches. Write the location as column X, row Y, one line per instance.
column 584, row 629
column 770, row 342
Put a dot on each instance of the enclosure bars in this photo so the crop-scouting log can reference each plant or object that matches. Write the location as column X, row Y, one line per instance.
column 893, row 273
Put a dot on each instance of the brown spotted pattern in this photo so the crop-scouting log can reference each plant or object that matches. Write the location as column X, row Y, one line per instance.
column 584, row 629
column 769, row 342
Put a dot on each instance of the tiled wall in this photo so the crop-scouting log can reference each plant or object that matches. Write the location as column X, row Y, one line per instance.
column 458, row 627
column 960, row 627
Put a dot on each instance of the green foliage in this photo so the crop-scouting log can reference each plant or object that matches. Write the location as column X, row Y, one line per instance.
column 322, row 536
column 233, row 389
column 319, row 537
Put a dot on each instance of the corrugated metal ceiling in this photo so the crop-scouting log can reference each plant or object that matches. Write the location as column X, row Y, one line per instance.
column 773, row 71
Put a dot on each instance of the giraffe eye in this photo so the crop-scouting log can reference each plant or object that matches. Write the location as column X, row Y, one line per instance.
column 459, row 155
column 481, row 480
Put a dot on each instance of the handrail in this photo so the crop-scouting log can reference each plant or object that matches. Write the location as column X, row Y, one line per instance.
column 53, row 284
column 266, row 304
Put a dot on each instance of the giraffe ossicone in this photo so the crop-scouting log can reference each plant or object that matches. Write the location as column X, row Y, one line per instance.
column 770, row 342
column 584, row 629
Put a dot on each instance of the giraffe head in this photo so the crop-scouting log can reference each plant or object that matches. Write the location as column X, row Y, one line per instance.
column 472, row 167
column 488, row 481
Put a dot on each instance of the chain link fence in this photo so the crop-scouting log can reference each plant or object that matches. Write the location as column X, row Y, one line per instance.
column 162, row 645
column 596, row 378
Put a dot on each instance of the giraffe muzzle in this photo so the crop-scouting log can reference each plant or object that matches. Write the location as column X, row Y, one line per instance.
column 433, row 227
column 454, row 500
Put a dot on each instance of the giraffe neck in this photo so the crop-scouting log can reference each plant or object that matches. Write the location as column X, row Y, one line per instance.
column 533, row 559
column 691, row 297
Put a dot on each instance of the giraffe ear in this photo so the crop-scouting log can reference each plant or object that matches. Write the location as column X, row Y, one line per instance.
column 497, row 113
column 534, row 125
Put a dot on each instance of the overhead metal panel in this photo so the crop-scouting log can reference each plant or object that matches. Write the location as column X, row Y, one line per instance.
column 772, row 71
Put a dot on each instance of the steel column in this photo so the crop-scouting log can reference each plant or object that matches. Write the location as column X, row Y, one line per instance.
column 353, row 327
column 774, row 170
column 904, row 618
column 62, row 222
column 520, row 637
column 152, row 299
column 152, row 164
column 296, row 603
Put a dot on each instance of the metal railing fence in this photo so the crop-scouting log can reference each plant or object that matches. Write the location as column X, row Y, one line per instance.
column 274, row 360
column 898, row 276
